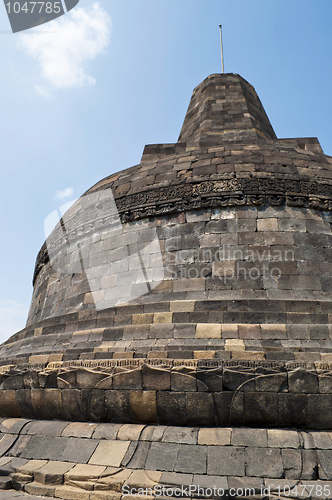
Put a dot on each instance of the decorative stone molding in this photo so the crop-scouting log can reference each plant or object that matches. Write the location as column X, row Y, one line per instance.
column 201, row 393
column 260, row 191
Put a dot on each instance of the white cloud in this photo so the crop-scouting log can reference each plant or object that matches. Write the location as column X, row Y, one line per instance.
column 13, row 316
column 62, row 48
column 64, row 194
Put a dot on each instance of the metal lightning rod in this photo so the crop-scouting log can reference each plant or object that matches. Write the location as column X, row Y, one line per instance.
column 222, row 49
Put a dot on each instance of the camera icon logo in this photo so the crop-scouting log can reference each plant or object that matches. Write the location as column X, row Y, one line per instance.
column 24, row 15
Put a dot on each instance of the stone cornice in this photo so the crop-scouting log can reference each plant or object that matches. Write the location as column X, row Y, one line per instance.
column 260, row 191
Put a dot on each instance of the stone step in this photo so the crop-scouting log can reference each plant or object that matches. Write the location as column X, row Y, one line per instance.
column 5, row 483
column 6, row 471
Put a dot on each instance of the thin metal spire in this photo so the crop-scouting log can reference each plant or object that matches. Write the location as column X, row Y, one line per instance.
column 222, row 49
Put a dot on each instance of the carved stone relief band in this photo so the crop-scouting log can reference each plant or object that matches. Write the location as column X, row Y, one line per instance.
column 263, row 191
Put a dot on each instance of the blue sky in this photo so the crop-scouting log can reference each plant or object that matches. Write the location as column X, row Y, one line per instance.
column 82, row 101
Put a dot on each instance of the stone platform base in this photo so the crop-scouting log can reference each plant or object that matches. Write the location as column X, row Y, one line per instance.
column 202, row 393
column 88, row 461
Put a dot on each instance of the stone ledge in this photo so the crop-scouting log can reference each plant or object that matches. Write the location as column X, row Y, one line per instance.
column 170, row 456
column 202, row 391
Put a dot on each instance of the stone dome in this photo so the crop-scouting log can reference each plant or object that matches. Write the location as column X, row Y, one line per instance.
column 207, row 267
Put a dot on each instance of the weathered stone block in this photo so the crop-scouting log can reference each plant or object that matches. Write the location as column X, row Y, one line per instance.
column 44, row 447
column 264, row 462
column 260, row 409
column 292, row 462
column 226, row 461
column 37, row 401
column 267, row 224
column 322, row 440
column 156, row 378
column 127, row 379
column 211, row 378
column 236, row 379
column 303, row 381
column 234, row 344
column 208, row 330
column 200, row 409
column 278, row 438
column 319, row 411
column 53, row 402
column 13, row 382
column 325, row 464
column 191, row 459
column 143, row 406
column 229, row 408
column 274, row 382
column 207, row 354
column 249, row 331
column 79, row 429
column 97, row 407
column 109, row 453
column 53, row 472
column 214, row 436
column 292, row 410
column 181, row 435
column 171, row 408
column 249, row 437
column 183, row 379
column 42, row 489
column 23, row 399
column 117, row 405
column 162, row 456
column 309, row 464
column 72, row 405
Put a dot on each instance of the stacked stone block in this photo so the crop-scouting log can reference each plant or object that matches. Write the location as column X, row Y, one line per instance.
column 192, row 290
column 59, row 459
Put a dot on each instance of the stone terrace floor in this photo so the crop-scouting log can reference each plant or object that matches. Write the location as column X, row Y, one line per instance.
column 85, row 461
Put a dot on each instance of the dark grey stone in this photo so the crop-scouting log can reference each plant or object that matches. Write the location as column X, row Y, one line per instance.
column 162, row 456
column 303, row 381
column 292, row 410
column 171, row 408
column 140, row 455
column 319, row 411
column 45, row 448
column 78, row 450
column 117, row 406
column 45, row 428
column 264, row 462
column 292, row 462
column 325, row 464
column 180, row 435
column 309, row 464
column 236, row 379
column 191, row 459
column 249, row 437
column 275, row 382
column 226, row 461
column 176, row 479
column 200, row 409
column 260, row 408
